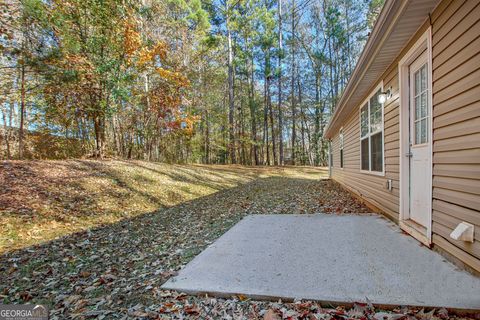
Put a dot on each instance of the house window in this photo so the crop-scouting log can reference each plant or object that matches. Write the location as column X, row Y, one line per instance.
column 371, row 134
column 341, row 148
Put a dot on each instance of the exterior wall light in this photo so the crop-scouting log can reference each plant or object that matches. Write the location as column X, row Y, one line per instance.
column 384, row 96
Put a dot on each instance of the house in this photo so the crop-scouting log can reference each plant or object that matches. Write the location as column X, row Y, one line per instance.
column 405, row 134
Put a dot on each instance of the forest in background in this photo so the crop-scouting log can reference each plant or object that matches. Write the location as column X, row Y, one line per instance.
column 251, row 82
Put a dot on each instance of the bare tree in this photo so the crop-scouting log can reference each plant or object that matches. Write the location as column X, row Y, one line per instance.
column 231, row 97
column 280, row 111
column 293, row 69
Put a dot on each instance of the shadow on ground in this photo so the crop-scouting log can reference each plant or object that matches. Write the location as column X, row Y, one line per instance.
column 121, row 265
column 42, row 200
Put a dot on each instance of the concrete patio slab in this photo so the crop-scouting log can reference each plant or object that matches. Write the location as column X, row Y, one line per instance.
column 335, row 259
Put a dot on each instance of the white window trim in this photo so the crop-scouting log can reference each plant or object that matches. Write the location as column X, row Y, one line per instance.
column 341, row 148
column 376, row 173
column 403, row 72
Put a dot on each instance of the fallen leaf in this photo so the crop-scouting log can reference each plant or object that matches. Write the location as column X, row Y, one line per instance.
column 271, row 315
column 242, row 297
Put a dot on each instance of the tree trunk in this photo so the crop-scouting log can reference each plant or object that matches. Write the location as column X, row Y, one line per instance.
column 316, row 134
column 294, row 137
column 331, row 76
column 99, row 136
column 6, row 133
column 116, row 135
column 349, row 51
column 266, row 151
column 253, row 114
column 243, row 151
column 302, row 120
column 22, row 113
column 231, row 106
column 280, row 111
column 207, row 138
column 268, row 77
column 130, row 150
column 272, row 128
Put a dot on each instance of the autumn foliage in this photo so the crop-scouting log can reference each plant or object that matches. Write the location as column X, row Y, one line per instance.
column 251, row 82
column 101, row 76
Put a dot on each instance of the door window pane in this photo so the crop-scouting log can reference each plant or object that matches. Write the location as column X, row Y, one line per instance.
column 377, row 152
column 423, row 77
column 424, row 130
column 423, row 104
column 418, row 138
column 417, row 108
column 417, row 83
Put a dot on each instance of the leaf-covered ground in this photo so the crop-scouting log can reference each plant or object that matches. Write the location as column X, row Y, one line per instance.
column 127, row 227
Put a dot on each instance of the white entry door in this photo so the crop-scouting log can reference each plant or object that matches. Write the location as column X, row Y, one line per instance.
column 419, row 153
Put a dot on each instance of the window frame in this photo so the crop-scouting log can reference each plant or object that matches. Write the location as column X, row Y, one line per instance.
column 369, row 134
column 341, row 142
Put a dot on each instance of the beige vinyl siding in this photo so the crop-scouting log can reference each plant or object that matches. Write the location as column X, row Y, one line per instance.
column 456, row 124
column 456, row 132
column 369, row 186
column 372, row 187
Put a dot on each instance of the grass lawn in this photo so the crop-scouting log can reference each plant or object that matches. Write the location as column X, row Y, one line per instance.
column 96, row 239
column 43, row 200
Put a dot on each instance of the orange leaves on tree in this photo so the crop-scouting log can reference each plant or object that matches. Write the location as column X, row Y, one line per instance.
column 134, row 48
column 78, row 63
column 166, row 83
column 148, row 55
column 163, row 101
column 174, row 77
column 132, row 40
column 189, row 123
column 185, row 123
